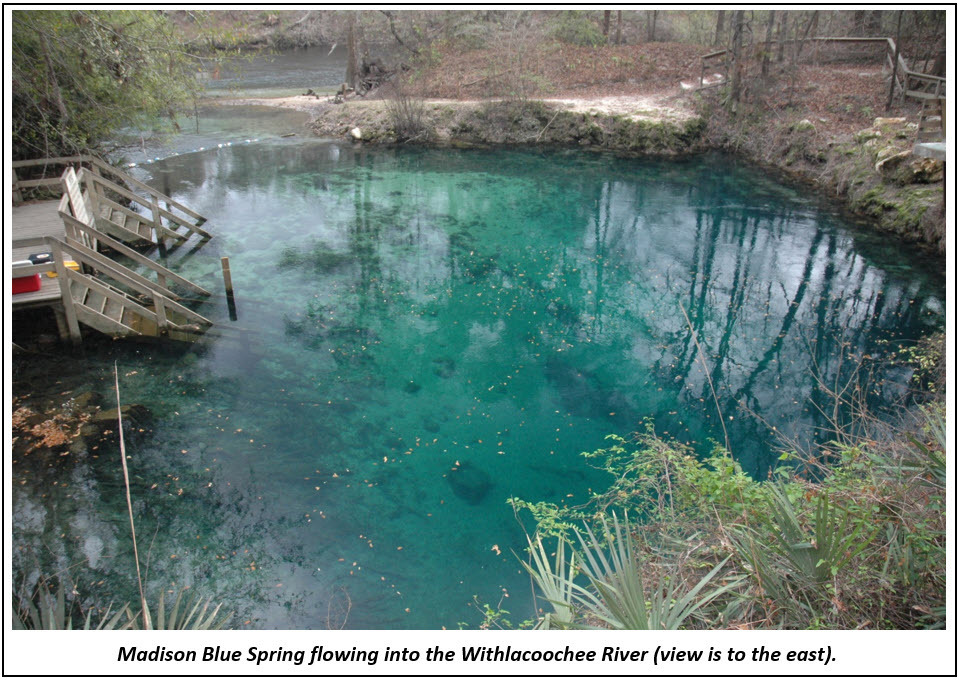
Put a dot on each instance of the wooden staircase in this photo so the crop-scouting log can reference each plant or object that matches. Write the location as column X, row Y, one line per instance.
column 125, row 225
column 146, row 223
column 114, row 312
column 98, row 277
column 932, row 121
column 113, row 298
column 120, row 205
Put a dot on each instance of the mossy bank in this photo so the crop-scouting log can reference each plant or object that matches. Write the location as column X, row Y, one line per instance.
column 872, row 171
column 509, row 122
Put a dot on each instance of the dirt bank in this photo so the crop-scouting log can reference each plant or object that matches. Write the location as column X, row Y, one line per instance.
column 648, row 124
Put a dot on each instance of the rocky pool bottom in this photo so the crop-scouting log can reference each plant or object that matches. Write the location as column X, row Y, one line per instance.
column 423, row 334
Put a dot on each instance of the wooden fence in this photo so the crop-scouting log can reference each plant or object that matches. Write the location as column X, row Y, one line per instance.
column 909, row 83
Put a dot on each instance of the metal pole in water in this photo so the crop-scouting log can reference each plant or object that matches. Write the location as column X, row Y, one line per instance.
column 228, row 284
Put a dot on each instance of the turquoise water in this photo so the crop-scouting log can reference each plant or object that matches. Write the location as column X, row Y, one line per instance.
column 421, row 335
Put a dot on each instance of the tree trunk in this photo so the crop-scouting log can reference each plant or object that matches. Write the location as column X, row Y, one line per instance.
column 783, row 26
column 619, row 27
column 720, row 24
column 859, row 22
column 809, row 30
column 875, row 23
column 768, row 46
column 895, row 64
column 736, row 85
column 351, row 51
column 606, row 14
column 651, row 25
column 939, row 65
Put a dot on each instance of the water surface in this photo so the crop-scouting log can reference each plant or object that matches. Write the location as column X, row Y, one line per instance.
column 278, row 74
column 422, row 334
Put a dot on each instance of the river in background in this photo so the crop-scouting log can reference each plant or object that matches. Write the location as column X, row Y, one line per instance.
column 423, row 334
column 256, row 75
column 278, row 74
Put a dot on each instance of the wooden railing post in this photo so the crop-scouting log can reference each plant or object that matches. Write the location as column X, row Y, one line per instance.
column 66, row 295
column 17, row 194
column 155, row 208
column 163, row 324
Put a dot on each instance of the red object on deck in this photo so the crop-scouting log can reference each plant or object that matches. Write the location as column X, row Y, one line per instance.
column 26, row 284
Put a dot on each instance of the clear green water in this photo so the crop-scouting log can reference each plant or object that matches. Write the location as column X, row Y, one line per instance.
column 404, row 313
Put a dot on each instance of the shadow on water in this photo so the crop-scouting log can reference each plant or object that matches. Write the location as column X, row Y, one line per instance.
column 424, row 334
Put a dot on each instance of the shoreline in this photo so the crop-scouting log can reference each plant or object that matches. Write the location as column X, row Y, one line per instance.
column 870, row 173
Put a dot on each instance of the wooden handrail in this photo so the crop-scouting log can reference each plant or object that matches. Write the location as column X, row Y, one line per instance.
column 96, row 162
column 131, row 253
column 903, row 67
column 128, row 278
column 109, row 292
column 30, row 269
column 90, row 177
column 114, row 206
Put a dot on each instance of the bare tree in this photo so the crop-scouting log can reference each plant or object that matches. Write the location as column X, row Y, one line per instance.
column 895, row 63
column 783, row 28
column 351, row 50
column 720, row 25
column 651, row 15
column 619, row 27
column 606, row 14
column 736, row 84
column 768, row 45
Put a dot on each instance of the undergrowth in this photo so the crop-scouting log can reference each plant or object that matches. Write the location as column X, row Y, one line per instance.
column 856, row 544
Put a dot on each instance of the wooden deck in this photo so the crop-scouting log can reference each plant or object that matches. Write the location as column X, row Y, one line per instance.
column 33, row 221
column 117, row 298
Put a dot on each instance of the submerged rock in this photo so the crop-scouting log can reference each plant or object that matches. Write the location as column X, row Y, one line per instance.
column 134, row 414
column 469, row 482
column 444, row 367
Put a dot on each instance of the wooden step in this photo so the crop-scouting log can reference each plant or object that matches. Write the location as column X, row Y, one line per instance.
column 78, row 292
column 119, row 218
column 113, row 310
column 139, row 323
column 95, row 301
column 145, row 230
column 103, row 323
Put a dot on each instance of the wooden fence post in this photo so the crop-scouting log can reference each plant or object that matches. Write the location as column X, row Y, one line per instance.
column 228, row 284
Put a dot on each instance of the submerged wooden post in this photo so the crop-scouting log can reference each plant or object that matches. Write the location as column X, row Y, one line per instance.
column 228, row 284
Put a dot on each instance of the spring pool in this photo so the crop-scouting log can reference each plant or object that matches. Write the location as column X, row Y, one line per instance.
column 423, row 334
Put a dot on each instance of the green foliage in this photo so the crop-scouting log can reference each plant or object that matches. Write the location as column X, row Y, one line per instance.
column 863, row 545
column 80, row 75
column 49, row 611
column 52, row 611
column 495, row 618
column 617, row 595
column 663, row 478
column 553, row 580
column 928, row 361
column 577, row 28
column 815, row 556
column 190, row 613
